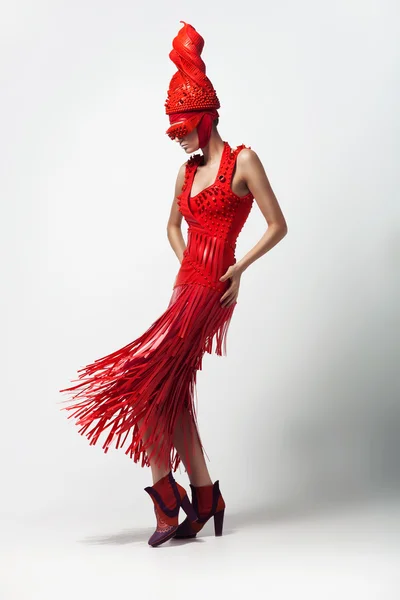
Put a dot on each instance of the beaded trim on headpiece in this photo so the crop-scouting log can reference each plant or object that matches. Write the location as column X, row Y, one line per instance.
column 190, row 90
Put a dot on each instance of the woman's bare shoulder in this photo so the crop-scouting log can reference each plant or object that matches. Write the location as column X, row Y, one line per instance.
column 188, row 163
column 248, row 156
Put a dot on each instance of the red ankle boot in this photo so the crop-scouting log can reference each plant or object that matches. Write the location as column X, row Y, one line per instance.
column 168, row 497
column 208, row 502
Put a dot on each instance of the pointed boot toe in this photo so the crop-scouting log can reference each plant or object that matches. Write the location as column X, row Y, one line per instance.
column 168, row 497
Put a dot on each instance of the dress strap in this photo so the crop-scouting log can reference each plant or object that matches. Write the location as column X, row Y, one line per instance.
column 190, row 168
column 225, row 178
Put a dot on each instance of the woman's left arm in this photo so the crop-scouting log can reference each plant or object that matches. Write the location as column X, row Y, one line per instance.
column 255, row 177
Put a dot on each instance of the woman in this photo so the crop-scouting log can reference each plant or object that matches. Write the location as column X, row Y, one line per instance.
column 145, row 391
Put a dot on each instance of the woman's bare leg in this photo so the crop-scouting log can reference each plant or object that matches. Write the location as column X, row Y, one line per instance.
column 157, row 470
column 189, row 448
column 190, row 445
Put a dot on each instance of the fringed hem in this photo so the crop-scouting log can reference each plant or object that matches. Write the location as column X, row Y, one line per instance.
column 152, row 379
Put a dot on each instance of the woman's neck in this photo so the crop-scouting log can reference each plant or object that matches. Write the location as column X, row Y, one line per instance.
column 212, row 151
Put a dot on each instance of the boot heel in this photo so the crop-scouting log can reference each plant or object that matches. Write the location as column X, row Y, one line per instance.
column 188, row 508
column 219, row 522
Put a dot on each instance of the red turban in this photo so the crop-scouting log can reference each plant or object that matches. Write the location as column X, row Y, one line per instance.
column 191, row 98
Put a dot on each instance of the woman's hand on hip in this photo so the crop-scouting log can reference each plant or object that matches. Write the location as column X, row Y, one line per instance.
column 230, row 296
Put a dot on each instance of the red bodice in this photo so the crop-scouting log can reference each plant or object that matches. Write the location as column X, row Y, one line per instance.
column 215, row 217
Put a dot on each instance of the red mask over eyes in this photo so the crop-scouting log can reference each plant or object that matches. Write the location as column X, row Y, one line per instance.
column 184, row 122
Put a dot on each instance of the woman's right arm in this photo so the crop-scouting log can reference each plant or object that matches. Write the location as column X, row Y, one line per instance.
column 174, row 231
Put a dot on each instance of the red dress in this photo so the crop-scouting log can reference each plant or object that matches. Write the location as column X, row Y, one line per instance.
column 154, row 377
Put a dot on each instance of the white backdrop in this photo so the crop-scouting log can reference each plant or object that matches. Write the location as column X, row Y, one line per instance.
column 304, row 409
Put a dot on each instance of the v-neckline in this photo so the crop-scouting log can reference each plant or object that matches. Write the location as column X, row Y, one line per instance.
column 190, row 197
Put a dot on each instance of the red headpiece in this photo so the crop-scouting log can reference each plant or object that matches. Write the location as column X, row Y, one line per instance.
column 191, row 95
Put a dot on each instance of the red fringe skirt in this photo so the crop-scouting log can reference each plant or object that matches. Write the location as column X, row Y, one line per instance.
column 153, row 378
